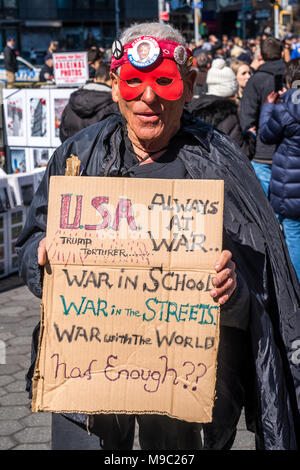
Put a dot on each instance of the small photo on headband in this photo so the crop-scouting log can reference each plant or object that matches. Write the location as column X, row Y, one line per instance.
column 143, row 52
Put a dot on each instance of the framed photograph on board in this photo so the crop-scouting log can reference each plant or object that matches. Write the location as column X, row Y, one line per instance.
column 58, row 101
column 38, row 175
column 38, row 117
column 4, row 264
column 16, row 221
column 19, row 158
column 14, row 103
column 5, row 195
column 39, row 157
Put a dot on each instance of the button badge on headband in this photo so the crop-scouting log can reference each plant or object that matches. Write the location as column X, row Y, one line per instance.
column 117, row 49
column 144, row 52
column 180, row 55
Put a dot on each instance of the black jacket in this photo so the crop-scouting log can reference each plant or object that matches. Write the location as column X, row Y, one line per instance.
column 280, row 124
column 222, row 114
column 258, row 87
column 10, row 60
column 45, row 73
column 87, row 105
column 258, row 248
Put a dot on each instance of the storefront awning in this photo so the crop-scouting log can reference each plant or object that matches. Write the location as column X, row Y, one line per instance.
column 41, row 24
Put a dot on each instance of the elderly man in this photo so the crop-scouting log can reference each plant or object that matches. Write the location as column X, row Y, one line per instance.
column 258, row 291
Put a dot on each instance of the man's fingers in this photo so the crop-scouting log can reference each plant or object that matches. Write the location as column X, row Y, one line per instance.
column 225, row 280
column 223, row 260
column 42, row 252
column 222, row 276
column 226, row 288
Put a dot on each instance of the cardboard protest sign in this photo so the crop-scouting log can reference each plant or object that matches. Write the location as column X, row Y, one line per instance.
column 70, row 68
column 128, row 325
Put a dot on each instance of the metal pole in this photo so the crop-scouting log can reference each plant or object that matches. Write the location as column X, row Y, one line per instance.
column 117, row 11
column 276, row 21
column 196, row 23
column 243, row 20
column 161, row 4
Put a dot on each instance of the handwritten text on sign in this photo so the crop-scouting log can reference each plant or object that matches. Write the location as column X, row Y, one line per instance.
column 128, row 322
column 70, row 68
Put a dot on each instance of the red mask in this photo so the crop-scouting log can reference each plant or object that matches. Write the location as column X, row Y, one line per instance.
column 165, row 80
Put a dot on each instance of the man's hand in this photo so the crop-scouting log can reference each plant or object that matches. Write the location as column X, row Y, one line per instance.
column 225, row 280
column 42, row 252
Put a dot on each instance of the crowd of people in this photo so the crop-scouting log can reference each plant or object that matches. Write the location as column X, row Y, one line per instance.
column 233, row 80
column 226, row 114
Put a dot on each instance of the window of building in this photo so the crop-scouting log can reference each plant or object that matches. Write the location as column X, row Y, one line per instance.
column 64, row 3
column 80, row 4
column 10, row 3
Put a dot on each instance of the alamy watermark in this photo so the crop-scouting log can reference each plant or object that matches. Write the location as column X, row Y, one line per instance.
column 295, row 357
column 2, row 352
column 296, row 94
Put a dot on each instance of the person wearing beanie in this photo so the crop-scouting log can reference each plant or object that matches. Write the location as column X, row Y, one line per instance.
column 221, row 80
column 218, row 107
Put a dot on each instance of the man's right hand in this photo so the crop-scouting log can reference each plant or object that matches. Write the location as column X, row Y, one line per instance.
column 42, row 252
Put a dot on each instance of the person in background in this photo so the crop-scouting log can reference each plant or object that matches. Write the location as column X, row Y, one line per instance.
column 243, row 73
column 94, row 60
column 280, row 124
column 10, row 62
column 295, row 49
column 225, row 46
column 33, row 56
column 236, row 51
column 53, row 47
column 218, row 107
column 267, row 78
column 203, row 62
column 89, row 104
column 287, row 42
column 211, row 43
column 47, row 71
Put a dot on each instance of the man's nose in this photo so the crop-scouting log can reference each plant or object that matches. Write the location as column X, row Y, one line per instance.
column 148, row 95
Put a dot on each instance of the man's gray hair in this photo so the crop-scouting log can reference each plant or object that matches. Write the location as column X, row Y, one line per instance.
column 156, row 30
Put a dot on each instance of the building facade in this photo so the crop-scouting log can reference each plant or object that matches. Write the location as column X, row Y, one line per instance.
column 76, row 24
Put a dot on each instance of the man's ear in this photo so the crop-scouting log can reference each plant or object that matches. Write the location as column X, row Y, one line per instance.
column 114, row 87
column 189, row 86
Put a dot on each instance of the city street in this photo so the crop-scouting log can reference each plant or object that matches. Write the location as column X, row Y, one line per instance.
column 19, row 428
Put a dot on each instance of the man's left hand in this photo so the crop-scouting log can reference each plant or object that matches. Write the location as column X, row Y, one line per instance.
column 225, row 280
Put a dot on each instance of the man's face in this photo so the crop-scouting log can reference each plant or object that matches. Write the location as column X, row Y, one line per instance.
column 143, row 51
column 152, row 120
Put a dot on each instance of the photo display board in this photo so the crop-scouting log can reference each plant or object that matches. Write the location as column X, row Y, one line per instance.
column 14, row 102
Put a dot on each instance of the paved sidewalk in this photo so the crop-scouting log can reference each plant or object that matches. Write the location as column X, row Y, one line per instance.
column 19, row 428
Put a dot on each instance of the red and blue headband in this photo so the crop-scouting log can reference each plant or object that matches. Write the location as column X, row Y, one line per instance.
column 146, row 50
column 147, row 61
